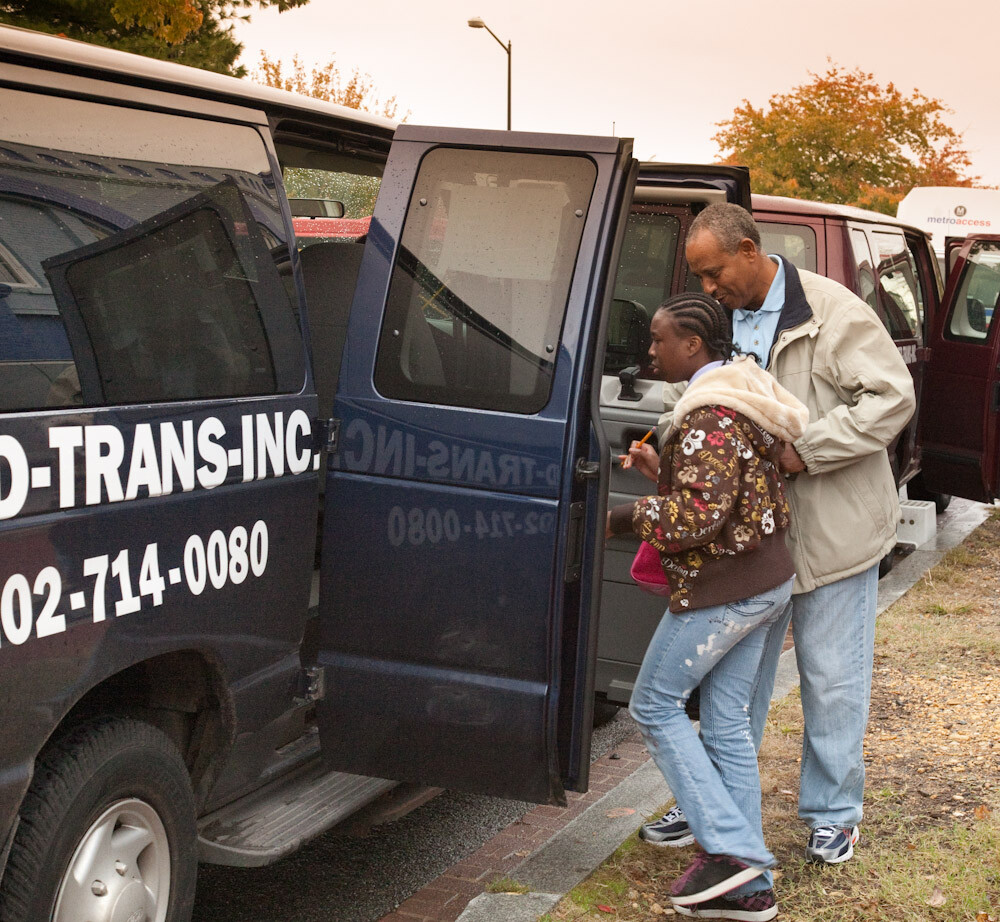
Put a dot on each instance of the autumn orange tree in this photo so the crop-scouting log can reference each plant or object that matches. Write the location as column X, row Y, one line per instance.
column 844, row 138
column 325, row 82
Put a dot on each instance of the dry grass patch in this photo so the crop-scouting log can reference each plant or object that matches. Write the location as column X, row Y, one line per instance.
column 930, row 841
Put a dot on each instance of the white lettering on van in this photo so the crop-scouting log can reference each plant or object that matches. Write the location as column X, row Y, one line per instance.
column 104, row 451
column 66, row 439
column 14, row 492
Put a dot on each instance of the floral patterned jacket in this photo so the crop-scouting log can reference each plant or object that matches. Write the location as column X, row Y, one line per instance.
column 719, row 514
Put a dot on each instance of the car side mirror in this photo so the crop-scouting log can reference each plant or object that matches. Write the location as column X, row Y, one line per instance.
column 316, row 208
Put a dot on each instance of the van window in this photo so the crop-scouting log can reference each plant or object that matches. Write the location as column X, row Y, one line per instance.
column 898, row 292
column 866, row 272
column 143, row 250
column 975, row 304
column 341, row 188
column 796, row 242
column 643, row 283
column 482, row 276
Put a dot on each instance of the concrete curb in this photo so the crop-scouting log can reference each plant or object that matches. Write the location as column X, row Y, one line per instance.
column 580, row 847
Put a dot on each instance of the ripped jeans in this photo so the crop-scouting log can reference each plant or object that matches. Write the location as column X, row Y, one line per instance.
column 715, row 776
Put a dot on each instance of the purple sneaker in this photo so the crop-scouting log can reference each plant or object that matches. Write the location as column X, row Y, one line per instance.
column 754, row 907
column 709, row 876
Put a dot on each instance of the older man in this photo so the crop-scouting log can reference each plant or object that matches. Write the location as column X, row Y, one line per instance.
column 828, row 348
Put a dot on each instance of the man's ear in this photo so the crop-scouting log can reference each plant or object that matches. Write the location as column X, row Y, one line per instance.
column 747, row 248
column 693, row 344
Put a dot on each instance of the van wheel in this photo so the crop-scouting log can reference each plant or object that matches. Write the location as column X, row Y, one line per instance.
column 885, row 565
column 915, row 489
column 604, row 711
column 107, row 831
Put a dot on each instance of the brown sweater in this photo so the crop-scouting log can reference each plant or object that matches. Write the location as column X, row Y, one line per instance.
column 720, row 512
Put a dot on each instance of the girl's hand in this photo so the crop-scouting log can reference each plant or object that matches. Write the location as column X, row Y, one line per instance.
column 643, row 458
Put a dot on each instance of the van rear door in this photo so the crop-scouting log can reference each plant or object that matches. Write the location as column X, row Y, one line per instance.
column 467, row 476
column 961, row 399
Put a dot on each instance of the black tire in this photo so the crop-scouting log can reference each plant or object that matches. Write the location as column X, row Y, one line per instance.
column 915, row 489
column 123, row 778
column 886, row 564
column 604, row 711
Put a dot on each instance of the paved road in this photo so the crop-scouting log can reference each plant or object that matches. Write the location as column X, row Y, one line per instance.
column 337, row 878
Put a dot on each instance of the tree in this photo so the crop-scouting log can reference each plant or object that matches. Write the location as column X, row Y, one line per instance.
column 844, row 138
column 325, row 82
column 356, row 191
column 194, row 32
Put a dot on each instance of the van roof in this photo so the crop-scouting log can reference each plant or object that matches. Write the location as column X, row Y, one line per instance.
column 780, row 203
column 71, row 55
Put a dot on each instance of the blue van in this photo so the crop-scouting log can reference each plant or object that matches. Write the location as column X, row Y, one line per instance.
column 279, row 520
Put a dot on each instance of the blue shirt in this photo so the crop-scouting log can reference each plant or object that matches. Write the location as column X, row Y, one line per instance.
column 708, row 366
column 753, row 331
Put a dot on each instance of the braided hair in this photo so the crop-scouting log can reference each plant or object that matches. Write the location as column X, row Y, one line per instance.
column 704, row 317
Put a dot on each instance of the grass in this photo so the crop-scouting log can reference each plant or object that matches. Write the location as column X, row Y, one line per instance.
column 930, row 846
column 507, row 885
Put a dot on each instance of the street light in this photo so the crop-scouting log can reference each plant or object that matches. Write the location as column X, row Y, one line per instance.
column 478, row 23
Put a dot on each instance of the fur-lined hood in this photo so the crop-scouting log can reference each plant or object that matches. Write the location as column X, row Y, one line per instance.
column 743, row 386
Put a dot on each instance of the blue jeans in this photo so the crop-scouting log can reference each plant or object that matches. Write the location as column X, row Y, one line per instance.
column 715, row 777
column 834, row 631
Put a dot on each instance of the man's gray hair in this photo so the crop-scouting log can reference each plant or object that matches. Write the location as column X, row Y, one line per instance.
column 728, row 223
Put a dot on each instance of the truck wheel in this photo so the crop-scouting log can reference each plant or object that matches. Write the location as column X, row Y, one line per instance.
column 107, row 831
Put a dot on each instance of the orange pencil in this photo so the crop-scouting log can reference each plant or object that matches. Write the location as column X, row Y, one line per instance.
column 642, row 441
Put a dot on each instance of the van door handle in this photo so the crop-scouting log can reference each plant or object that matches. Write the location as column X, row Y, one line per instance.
column 587, row 470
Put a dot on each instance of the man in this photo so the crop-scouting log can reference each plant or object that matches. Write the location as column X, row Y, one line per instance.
column 827, row 347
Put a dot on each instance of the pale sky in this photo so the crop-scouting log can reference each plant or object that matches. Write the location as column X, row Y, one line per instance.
column 663, row 73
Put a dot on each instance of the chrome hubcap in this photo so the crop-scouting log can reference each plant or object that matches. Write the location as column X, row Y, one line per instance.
column 120, row 871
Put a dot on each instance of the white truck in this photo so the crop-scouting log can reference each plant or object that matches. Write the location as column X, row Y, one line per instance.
column 950, row 211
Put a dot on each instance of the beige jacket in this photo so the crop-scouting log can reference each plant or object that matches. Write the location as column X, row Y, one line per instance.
column 831, row 351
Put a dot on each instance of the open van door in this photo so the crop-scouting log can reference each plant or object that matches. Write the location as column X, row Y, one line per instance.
column 961, row 399
column 467, row 477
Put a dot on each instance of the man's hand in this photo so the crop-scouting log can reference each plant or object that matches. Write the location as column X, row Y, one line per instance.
column 789, row 461
column 643, row 458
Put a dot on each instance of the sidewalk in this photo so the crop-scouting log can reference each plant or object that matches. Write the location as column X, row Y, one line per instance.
column 549, row 850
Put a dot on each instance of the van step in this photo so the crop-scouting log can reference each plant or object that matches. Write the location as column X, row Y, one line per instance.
column 273, row 822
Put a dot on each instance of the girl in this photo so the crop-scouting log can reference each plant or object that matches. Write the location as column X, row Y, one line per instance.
column 717, row 525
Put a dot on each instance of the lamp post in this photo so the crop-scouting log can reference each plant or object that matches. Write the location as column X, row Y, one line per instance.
column 478, row 23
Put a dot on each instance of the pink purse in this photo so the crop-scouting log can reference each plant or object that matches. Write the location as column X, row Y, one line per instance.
column 647, row 570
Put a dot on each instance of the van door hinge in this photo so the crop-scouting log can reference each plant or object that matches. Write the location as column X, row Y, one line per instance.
column 327, row 434
column 311, row 685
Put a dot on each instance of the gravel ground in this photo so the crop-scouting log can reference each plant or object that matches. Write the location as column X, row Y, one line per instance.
column 361, row 879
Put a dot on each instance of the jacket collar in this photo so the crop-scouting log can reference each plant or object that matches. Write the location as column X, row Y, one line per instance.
column 796, row 310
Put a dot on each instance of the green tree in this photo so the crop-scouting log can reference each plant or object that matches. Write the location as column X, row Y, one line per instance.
column 844, row 138
column 194, row 32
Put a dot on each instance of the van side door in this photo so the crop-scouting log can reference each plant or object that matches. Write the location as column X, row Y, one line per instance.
column 961, row 401
column 466, row 485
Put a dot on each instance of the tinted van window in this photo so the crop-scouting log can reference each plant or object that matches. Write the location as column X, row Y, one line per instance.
column 481, row 279
column 796, row 242
column 138, row 280
column 978, row 294
column 898, row 291
column 645, row 276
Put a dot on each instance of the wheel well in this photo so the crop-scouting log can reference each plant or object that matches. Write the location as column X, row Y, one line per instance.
column 180, row 693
